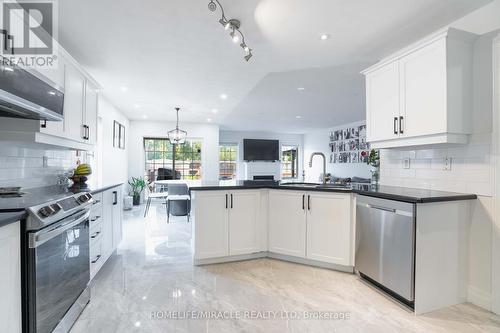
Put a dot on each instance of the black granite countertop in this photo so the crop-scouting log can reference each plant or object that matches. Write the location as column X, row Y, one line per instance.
column 11, row 217
column 38, row 195
column 405, row 194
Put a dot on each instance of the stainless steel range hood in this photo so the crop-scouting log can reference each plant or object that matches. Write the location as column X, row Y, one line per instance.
column 23, row 95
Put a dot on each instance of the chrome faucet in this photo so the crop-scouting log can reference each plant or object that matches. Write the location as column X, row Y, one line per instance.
column 324, row 163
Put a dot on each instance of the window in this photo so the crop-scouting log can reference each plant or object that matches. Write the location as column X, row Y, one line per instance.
column 227, row 160
column 162, row 159
column 289, row 161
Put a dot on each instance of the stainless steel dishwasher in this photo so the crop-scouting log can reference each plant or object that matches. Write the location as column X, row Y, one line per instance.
column 385, row 245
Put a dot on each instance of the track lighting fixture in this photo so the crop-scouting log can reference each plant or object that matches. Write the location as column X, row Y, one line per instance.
column 233, row 25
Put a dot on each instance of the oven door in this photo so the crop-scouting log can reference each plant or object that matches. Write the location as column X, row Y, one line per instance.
column 58, row 270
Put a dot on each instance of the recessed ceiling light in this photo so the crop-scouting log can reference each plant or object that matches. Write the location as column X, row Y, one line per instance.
column 301, row 88
column 137, row 106
column 209, row 120
column 144, row 116
column 223, row 96
column 123, row 88
column 215, row 111
column 324, row 36
column 298, row 117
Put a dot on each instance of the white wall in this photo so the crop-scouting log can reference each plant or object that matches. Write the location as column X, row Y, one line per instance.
column 482, row 20
column 285, row 139
column 471, row 171
column 318, row 141
column 112, row 161
column 207, row 133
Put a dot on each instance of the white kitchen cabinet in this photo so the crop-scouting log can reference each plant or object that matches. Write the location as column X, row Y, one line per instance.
column 74, row 104
column 382, row 103
column 211, row 236
column 243, row 221
column 424, row 91
column 287, row 223
column 329, row 228
column 10, row 278
column 422, row 95
column 117, row 205
column 226, row 223
column 105, row 227
column 90, row 114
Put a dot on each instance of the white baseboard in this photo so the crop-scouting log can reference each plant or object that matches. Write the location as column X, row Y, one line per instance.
column 479, row 297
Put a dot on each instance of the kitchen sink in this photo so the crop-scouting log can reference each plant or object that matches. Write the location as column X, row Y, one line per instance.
column 311, row 185
column 316, row 185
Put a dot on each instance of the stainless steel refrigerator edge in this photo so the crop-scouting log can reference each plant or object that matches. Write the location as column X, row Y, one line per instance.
column 385, row 245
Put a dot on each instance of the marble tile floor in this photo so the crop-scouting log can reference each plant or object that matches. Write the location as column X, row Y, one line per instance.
column 151, row 279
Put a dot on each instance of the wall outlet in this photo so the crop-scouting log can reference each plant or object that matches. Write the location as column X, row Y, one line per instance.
column 406, row 163
column 447, row 164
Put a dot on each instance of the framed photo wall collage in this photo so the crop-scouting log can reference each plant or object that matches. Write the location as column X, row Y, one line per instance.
column 349, row 145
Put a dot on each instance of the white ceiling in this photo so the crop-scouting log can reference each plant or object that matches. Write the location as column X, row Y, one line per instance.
column 174, row 53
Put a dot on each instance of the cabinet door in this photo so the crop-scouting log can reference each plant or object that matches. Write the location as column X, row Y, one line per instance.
column 211, row 224
column 10, row 278
column 424, row 92
column 56, row 76
column 73, row 104
column 243, row 222
column 328, row 227
column 107, row 223
column 287, row 223
column 116, row 195
column 91, row 112
column 382, row 103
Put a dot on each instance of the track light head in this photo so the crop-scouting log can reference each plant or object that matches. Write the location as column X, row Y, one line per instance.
column 248, row 56
column 234, row 36
column 245, row 47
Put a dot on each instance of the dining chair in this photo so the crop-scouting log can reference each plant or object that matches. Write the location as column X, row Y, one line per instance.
column 178, row 201
column 154, row 193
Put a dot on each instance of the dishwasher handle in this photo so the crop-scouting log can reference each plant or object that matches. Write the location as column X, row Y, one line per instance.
column 388, row 209
column 392, row 210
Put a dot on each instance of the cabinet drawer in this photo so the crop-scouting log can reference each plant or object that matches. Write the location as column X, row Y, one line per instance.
column 95, row 233
column 95, row 257
column 97, row 198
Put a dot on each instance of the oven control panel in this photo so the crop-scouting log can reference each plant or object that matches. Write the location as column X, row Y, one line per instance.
column 51, row 212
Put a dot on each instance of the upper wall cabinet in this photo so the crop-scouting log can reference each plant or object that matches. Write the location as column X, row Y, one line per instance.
column 423, row 94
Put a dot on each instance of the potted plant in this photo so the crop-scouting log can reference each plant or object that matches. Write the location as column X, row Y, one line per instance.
column 373, row 160
column 138, row 185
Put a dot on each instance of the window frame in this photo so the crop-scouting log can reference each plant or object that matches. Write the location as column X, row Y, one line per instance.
column 235, row 162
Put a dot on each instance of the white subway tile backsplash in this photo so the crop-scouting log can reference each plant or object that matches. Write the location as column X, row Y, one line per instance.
column 23, row 165
column 471, row 170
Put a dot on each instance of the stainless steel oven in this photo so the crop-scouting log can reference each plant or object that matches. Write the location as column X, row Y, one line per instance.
column 57, row 267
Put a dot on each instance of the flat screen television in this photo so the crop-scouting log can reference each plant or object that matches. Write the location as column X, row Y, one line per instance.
column 261, row 150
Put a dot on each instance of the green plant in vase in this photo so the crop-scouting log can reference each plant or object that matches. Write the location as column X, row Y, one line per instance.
column 373, row 160
column 138, row 185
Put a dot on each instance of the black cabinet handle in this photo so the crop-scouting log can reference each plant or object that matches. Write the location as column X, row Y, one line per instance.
column 395, row 125
column 115, row 198
column 308, row 202
column 96, row 202
column 303, row 202
column 44, row 124
column 96, row 259
column 231, row 201
column 401, row 125
column 95, row 235
column 95, row 218
column 226, row 200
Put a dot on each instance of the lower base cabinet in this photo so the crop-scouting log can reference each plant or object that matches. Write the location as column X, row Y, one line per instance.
column 105, row 227
column 311, row 225
column 287, row 223
column 10, row 278
column 226, row 223
column 329, row 228
column 316, row 226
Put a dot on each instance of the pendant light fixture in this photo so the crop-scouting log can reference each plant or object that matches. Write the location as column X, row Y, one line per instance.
column 177, row 136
